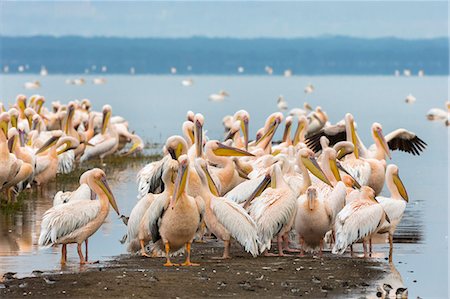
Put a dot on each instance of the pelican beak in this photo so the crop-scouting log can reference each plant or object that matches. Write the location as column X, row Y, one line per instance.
column 230, row 135
column 379, row 135
column 341, row 154
column 22, row 105
column 400, row 187
column 271, row 131
column 312, row 165
column 133, row 149
column 14, row 121
column 39, row 103
column 198, row 136
column 261, row 187
column 68, row 145
column 48, row 144
column 103, row 184
column 354, row 139
column 300, row 128
column 180, row 183
column 243, row 173
column 225, row 150
column 311, row 196
column 35, row 124
column 335, row 170
column 30, row 120
column 4, row 128
column 211, row 184
column 355, row 182
column 244, row 128
column 287, row 132
column 105, row 121
column 308, row 106
column 12, row 143
column 276, row 152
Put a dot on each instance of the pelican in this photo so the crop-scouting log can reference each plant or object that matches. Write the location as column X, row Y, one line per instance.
column 273, row 211
column 187, row 82
column 9, row 164
column 410, row 99
column 316, row 120
column 301, row 112
column 76, row 221
column 175, row 219
column 138, row 233
column 358, row 220
column 218, row 97
column 281, row 103
column 105, row 143
column 400, row 139
column 438, row 113
column 394, row 206
column 32, row 85
column 99, row 80
column 225, row 218
column 309, row 88
column 269, row 70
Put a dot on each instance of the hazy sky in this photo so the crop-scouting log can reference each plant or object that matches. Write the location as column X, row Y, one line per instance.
column 406, row 19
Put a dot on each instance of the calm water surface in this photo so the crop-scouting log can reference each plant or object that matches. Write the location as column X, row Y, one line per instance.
column 156, row 106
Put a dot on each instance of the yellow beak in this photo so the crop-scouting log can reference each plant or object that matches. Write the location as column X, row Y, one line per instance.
column 354, row 139
column 260, row 189
column 312, row 165
column 211, row 184
column 180, row 183
column 105, row 121
column 225, row 150
column 48, row 144
column 379, row 135
column 335, row 170
column 103, row 184
column 400, row 187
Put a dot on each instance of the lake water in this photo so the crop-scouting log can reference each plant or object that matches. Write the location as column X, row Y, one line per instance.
column 156, row 106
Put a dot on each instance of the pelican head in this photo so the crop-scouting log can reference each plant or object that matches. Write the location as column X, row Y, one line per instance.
column 343, row 148
column 307, row 106
column 351, row 132
column 35, row 121
column 224, row 93
column 220, row 149
column 205, row 175
column 107, row 111
column 272, row 123
column 21, row 102
column 330, row 153
column 40, row 100
column 243, row 116
column 259, row 134
column 99, row 177
column 176, row 146
column 190, row 116
column 302, row 127
column 50, row 142
column 235, row 127
column 199, row 121
column 12, row 139
column 311, row 194
column 188, row 129
column 14, row 115
column 227, row 122
column 180, row 183
column 308, row 159
column 377, row 132
column 4, row 120
column 287, row 129
column 56, row 105
column 68, row 143
column 393, row 170
column 29, row 112
column 86, row 104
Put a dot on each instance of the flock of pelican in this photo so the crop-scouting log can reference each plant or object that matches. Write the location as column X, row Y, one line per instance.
column 36, row 143
column 319, row 184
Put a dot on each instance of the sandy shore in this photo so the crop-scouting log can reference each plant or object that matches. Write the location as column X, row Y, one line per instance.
column 137, row 277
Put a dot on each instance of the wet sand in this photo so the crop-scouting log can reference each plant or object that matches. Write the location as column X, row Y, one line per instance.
column 244, row 276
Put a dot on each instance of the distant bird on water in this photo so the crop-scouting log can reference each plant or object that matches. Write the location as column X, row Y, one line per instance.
column 282, row 104
column 410, row 99
column 218, row 97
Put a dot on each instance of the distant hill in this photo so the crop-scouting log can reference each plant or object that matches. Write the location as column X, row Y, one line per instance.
column 322, row 55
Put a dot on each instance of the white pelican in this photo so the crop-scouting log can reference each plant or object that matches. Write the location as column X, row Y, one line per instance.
column 99, row 80
column 287, row 73
column 268, row 70
column 273, row 211
column 316, row 120
column 410, row 99
column 9, row 164
column 301, row 112
column 309, row 88
column 281, row 103
column 76, row 221
column 218, row 97
column 394, row 206
column 138, row 233
column 105, row 143
column 175, row 219
column 32, row 85
column 43, row 71
column 438, row 113
column 173, row 70
column 187, row 82
column 359, row 219
column 223, row 217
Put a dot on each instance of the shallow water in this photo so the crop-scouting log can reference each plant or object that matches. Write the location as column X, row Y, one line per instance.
column 156, row 105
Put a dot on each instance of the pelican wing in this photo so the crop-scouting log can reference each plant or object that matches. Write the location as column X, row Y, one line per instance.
column 62, row 220
column 66, row 162
column 42, row 163
column 83, row 192
column 335, row 134
column 99, row 148
column 393, row 208
column 405, row 141
column 336, row 199
column 149, row 178
column 271, row 211
column 136, row 216
column 236, row 220
column 157, row 209
column 356, row 221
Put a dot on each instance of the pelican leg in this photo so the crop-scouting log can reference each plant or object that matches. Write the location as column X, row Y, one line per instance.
column 226, row 251
column 286, row 244
column 370, row 247
column 302, row 245
column 280, row 245
column 143, row 253
column 351, row 250
column 391, row 247
column 365, row 248
column 63, row 254
column 80, row 254
column 188, row 256
column 86, row 246
column 168, row 262
column 321, row 248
